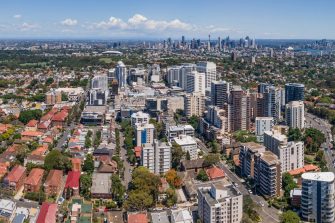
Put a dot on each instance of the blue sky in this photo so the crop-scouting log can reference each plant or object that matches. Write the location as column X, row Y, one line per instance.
column 270, row 19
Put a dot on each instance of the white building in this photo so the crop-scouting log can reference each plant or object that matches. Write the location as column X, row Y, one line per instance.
column 188, row 144
column 263, row 124
column 317, row 200
column 195, row 82
column 290, row 154
column 144, row 133
column 148, row 157
column 176, row 130
column 181, row 216
column 209, row 68
column 140, row 117
column 295, row 114
column 121, row 74
column 99, row 82
column 220, row 203
column 194, row 104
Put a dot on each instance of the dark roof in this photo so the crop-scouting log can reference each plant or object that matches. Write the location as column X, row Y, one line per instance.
column 102, row 151
column 193, row 164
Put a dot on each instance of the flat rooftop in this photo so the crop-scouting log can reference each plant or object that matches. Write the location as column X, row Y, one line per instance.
column 319, row 176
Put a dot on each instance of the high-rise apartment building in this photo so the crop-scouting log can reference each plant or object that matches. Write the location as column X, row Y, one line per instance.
column 220, row 91
column 209, row 68
column 318, row 197
column 219, row 203
column 156, row 157
column 294, row 92
column 194, row 104
column 295, row 114
column 290, row 154
column 239, row 109
column 144, row 133
column 272, row 103
column 195, row 82
column 140, row 118
column 187, row 144
column 121, row 74
column 263, row 124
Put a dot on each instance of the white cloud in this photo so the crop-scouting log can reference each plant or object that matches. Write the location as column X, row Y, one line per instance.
column 27, row 26
column 18, row 16
column 69, row 22
column 140, row 22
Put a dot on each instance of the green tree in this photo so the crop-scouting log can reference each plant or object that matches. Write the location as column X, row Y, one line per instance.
column 138, row 200
column 289, row 217
column 188, row 156
column 211, row 159
column 288, row 184
column 215, row 146
column 294, row 134
column 118, row 189
column 49, row 81
column 88, row 142
column 64, row 97
column 177, row 155
column 313, row 139
column 26, row 116
column 56, row 160
column 85, row 185
column 193, row 121
column 202, row 176
column 171, row 197
column 89, row 164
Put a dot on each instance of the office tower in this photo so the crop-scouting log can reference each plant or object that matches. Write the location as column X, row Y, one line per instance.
column 220, row 91
column 187, row 144
column 256, row 105
column 110, row 76
column 121, row 74
column 263, row 124
column 98, row 97
column 220, row 203
column 271, row 53
column 239, row 109
column 136, row 75
column 139, row 118
column 272, row 103
column 195, row 82
column 318, row 197
column 156, row 157
column 295, row 115
column 268, row 174
column 290, row 154
column 294, row 92
column 144, row 133
column 194, row 104
column 209, row 68
column 234, row 56
column 183, row 42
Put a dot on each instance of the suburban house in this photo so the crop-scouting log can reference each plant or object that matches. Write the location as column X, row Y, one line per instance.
column 34, row 180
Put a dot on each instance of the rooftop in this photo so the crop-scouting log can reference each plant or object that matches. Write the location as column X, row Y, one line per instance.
column 319, row 176
column 137, row 218
column 35, row 176
column 254, row 147
column 184, row 140
column 101, row 183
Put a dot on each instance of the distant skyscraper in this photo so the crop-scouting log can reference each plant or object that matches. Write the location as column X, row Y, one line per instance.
column 317, row 200
column 294, row 92
column 209, row 68
column 219, row 44
column 121, row 74
column 220, row 91
column 295, row 114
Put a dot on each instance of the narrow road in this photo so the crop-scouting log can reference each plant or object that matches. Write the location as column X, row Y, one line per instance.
column 127, row 167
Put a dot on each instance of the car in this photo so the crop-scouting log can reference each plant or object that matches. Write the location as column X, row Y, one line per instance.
column 250, row 192
column 261, row 203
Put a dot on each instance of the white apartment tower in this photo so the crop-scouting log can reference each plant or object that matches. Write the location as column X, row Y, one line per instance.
column 194, row 104
column 318, row 197
column 290, row 154
column 195, row 82
column 220, row 203
column 295, row 114
column 263, row 124
column 121, row 74
column 209, row 68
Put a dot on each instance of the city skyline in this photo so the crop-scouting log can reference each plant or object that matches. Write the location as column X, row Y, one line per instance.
column 156, row 20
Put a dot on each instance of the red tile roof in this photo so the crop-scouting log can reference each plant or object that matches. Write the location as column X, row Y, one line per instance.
column 54, row 178
column 34, row 177
column 307, row 168
column 215, row 173
column 32, row 123
column 40, row 151
column 47, row 213
column 32, row 133
column 138, row 218
column 44, row 124
column 72, row 179
column 16, row 173
column 138, row 151
column 60, row 116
